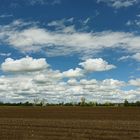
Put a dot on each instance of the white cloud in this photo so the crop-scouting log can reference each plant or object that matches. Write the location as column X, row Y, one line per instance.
column 97, row 64
column 50, row 85
column 72, row 82
column 66, row 41
column 44, row 85
column 40, row 78
column 135, row 56
column 73, row 73
column 88, row 82
column 124, row 57
column 119, row 3
column 135, row 82
column 113, row 83
column 27, row 64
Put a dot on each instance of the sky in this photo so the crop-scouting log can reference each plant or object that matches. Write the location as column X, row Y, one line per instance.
column 63, row 50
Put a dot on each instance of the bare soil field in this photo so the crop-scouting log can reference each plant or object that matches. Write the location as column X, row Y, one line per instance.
column 69, row 123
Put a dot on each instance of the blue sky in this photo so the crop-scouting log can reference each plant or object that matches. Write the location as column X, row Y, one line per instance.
column 62, row 50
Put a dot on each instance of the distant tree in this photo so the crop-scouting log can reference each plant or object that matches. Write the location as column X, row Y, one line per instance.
column 109, row 104
column 43, row 102
column 137, row 103
column 83, row 100
column 92, row 104
column 25, row 104
column 126, row 103
column 36, row 101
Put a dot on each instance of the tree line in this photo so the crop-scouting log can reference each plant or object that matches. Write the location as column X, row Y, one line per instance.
column 83, row 102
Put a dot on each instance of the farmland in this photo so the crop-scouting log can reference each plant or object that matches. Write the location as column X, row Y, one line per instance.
column 69, row 123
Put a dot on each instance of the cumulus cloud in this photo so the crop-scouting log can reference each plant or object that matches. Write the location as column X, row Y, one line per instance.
column 27, row 64
column 28, row 89
column 136, row 57
column 135, row 82
column 113, row 83
column 119, row 3
column 73, row 73
column 44, row 85
column 50, row 84
column 97, row 64
column 72, row 82
column 88, row 82
column 107, row 84
column 40, row 78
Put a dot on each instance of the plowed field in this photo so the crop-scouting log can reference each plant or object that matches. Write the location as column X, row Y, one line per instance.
column 69, row 123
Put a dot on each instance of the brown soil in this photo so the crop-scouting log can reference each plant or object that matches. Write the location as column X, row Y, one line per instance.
column 69, row 123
